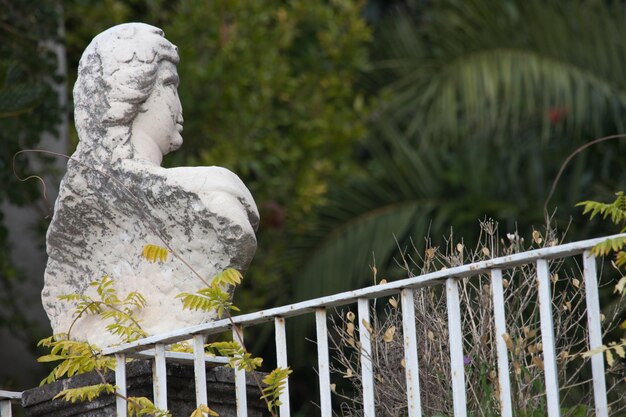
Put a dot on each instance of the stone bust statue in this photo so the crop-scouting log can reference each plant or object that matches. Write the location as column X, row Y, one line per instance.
column 115, row 197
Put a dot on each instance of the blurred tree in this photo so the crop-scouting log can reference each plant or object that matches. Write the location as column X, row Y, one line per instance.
column 28, row 104
column 268, row 91
column 412, row 193
column 29, row 107
column 454, row 68
column 481, row 102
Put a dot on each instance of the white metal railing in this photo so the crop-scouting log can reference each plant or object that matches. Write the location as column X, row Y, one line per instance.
column 6, row 397
column 154, row 346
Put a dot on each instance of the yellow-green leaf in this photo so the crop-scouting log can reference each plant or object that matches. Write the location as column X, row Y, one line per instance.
column 203, row 411
column 154, row 253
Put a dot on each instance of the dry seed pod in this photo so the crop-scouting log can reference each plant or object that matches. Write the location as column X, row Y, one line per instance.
column 508, row 341
column 388, row 337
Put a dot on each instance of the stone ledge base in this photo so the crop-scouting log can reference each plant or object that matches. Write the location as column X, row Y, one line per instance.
column 181, row 394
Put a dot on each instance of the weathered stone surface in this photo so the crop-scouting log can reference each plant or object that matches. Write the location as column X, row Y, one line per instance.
column 116, row 198
column 38, row 402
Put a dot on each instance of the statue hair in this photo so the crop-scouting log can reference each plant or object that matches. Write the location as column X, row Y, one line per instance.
column 116, row 75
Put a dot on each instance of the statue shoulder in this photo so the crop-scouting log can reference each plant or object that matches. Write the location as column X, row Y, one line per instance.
column 207, row 182
column 211, row 178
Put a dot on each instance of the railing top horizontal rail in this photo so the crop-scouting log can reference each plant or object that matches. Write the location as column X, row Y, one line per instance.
column 10, row 395
column 348, row 297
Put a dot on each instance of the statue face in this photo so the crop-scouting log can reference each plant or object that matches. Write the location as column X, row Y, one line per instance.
column 161, row 119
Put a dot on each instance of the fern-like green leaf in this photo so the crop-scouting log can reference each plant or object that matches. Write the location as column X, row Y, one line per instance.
column 76, row 357
column 127, row 333
column 275, row 384
column 210, row 299
column 88, row 306
column 142, row 406
column 238, row 357
column 88, row 393
column 50, row 341
column 50, row 358
column 181, row 347
column 154, row 253
column 229, row 276
column 615, row 210
column 106, row 290
column 609, row 246
column 135, row 299
column 620, row 259
column 71, row 297
column 203, row 411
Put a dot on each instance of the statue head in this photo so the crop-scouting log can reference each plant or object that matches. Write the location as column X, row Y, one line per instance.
column 127, row 86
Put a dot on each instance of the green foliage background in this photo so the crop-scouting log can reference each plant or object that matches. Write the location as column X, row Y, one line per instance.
column 361, row 126
column 28, row 108
column 480, row 102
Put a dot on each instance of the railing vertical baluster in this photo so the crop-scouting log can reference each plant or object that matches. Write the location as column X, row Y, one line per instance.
column 367, row 372
column 411, row 369
column 240, row 379
column 281, row 362
column 159, row 377
column 199, row 370
column 5, row 408
column 547, row 338
column 499, row 315
column 120, row 380
column 595, row 333
column 455, row 335
column 323, row 362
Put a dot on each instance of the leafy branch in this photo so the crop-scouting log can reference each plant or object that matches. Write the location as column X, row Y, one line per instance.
column 275, row 384
column 79, row 357
column 110, row 307
column 616, row 212
column 203, row 411
column 216, row 297
column 87, row 393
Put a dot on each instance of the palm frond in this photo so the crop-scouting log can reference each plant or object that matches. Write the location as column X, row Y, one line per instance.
column 342, row 261
column 486, row 65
